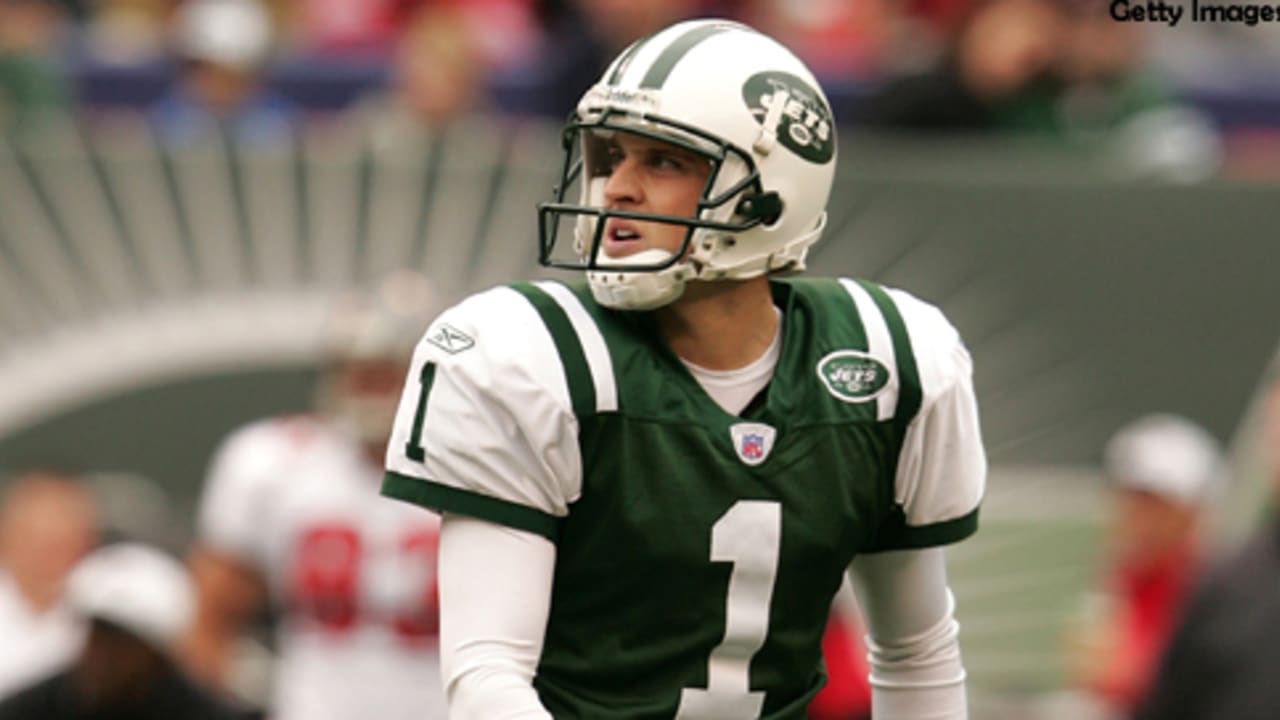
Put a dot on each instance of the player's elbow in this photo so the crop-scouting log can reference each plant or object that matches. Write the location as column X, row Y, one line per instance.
column 927, row 659
column 480, row 686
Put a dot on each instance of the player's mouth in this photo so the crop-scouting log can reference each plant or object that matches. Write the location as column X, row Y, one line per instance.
column 621, row 238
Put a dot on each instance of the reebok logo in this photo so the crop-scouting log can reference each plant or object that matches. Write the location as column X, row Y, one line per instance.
column 450, row 339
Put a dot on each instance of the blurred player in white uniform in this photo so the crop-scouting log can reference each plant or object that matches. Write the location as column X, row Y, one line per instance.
column 291, row 516
column 48, row 521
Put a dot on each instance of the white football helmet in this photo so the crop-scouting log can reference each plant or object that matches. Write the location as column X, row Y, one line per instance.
column 726, row 92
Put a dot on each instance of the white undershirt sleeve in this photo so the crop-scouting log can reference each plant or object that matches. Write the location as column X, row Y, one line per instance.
column 913, row 638
column 495, row 593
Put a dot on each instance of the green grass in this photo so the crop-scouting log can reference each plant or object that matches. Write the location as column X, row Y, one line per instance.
column 1016, row 584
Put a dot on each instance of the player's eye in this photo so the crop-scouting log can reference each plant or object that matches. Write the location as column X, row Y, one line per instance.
column 601, row 154
column 667, row 161
column 614, row 156
column 609, row 157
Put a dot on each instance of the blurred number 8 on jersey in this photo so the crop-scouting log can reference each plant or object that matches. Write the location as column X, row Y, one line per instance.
column 328, row 563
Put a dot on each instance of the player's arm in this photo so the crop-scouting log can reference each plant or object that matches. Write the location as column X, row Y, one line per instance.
column 913, row 637
column 492, row 621
column 942, row 467
column 229, row 593
column 486, row 436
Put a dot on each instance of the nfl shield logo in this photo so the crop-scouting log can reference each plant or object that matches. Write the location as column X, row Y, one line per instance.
column 753, row 441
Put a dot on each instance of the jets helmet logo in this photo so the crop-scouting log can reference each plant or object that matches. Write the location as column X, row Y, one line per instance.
column 794, row 112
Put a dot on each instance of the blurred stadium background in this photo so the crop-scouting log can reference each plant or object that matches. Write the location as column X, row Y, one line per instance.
column 159, row 287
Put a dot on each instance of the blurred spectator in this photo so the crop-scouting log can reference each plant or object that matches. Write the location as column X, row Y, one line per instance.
column 223, row 47
column 614, row 24
column 291, row 516
column 127, row 32
column 337, row 27
column 937, row 18
column 1221, row 662
column 992, row 77
column 840, row 41
column 506, row 32
column 1048, row 66
column 47, row 523
column 1107, row 91
column 136, row 602
column 582, row 36
column 32, row 84
column 438, row 77
column 995, row 75
column 1163, row 469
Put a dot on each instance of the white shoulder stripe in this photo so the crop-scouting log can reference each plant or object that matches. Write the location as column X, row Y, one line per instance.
column 593, row 345
column 879, row 344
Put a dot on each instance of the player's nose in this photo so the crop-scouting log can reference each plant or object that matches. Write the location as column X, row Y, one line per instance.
column 623, row 185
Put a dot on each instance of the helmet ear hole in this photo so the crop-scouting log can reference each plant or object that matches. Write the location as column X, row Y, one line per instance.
column 765, row 207
column 773, row 217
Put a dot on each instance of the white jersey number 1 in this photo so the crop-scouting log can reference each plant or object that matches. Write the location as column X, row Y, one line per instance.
column 748, row 535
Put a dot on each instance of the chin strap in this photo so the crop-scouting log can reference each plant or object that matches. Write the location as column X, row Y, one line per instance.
column 640, row 290
column 645, row 291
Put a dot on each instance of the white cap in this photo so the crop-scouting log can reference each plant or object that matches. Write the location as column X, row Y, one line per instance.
column 137, row 588
column 236, row 33
column 1167, row 455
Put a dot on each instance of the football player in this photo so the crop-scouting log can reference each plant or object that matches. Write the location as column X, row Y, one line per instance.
column 654, row 481
column 1164, row 471
column 291, row 516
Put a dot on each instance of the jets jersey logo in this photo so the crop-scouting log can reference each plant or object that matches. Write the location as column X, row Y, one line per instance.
column 752, row 441
column 450, row 339
column 853, row 376
column 794, row 112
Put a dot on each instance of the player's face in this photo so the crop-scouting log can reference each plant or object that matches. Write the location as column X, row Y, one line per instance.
column 648, row 175
column 1149, row 528
column 46, row 529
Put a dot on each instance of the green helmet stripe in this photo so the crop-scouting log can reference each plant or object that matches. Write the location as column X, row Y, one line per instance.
column 666, row 62
column 624, row 60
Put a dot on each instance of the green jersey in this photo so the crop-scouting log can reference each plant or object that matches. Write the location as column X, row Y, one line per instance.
column 697, row 552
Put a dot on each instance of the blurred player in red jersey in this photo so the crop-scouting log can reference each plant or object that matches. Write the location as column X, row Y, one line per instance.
column 1163, row 468
column 291, row 515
